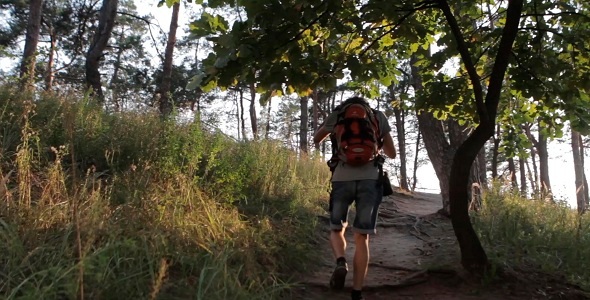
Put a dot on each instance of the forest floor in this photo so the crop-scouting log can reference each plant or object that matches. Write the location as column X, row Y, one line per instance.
column 415, row 255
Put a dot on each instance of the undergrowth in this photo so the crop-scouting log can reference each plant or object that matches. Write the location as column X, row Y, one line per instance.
column 535, row 235
column 127, row 206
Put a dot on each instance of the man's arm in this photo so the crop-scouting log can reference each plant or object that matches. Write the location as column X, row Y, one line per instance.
column 320, row 135
column 388, row 147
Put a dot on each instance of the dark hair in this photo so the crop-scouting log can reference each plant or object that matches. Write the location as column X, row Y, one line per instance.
column 355, row 99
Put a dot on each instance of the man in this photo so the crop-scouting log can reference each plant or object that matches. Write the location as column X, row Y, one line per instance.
column 359, row 184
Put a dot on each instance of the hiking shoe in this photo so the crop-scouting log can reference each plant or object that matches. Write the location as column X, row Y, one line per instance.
column 339, row 276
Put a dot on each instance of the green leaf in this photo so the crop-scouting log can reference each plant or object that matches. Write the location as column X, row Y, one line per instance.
column 195, row 81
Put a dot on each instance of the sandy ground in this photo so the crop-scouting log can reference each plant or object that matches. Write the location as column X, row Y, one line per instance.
column 414, row 255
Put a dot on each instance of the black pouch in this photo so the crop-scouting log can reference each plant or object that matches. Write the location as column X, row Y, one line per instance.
column 387, row 189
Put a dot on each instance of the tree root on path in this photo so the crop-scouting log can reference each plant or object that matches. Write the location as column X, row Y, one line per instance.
column 415, row 278
column 394, row 267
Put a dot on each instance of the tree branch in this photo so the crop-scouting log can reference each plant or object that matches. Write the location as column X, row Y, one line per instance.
column 559, row 14
column 397, row 24
column 527, row 70
column 502, row 57
column 296, row 37
column 467, row 60
column 149, row 28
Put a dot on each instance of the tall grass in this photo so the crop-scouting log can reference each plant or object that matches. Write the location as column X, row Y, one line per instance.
column 127, row 206
column 535, row 234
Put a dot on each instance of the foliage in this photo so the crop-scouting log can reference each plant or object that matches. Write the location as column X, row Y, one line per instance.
column 299, row 46
column 534, row 234
column 164, row 210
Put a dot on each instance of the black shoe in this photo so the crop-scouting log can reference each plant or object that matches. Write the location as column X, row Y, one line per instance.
column 356, row 295
column 339, row 276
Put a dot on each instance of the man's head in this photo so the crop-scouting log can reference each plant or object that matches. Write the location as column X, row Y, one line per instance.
column 355, row 99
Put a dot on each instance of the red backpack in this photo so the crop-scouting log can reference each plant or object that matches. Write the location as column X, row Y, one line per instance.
column 356, row 138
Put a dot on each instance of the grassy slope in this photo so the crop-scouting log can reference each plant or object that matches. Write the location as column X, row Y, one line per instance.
column 125, row 206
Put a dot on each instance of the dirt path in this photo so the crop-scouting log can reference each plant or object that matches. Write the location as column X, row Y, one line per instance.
column 414, row 255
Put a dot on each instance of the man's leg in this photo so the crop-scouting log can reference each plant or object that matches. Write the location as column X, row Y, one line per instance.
column 361, row 260
column 368, row 199
column 338, row 242
column 340, row 200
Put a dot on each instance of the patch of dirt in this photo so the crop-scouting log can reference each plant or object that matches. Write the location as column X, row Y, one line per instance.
column 415, row 255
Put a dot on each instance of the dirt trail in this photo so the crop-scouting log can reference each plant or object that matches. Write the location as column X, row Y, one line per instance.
column 414, row 255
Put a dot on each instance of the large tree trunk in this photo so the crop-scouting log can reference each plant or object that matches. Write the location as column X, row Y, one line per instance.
column 435, row 142
column 27, row 67
column 303, row 128
column 473, row 256
column 106, row 22
column 165, row 85
column 253, row 117
column 401, row 140
column 578, row 171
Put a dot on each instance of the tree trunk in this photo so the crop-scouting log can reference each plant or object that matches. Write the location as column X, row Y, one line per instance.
column 435, row 142
column 106, row 22
column 481, row 170
column 535, row 182
column 495, row 152
column 238, row 102
column 268, row 117
column 401, row 140
column 242, row 114
column 253, row 117
column 165, row 85
column 49, row 75
column 582, row 155
column 303, row 128
column 27, row 67
column 112, row 86
column 512, row 173
column 522, row 172
column 315, row 115
column 473, row 256
column 578, row 171
column 545, row 184
column 414, row 175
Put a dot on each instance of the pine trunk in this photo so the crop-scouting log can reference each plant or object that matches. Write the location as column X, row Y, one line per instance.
column 253, row 117
column 165, row 104
column 303, row 128
column 401, row 140
column 578, row 172
column 27, row 67
column 106, row 22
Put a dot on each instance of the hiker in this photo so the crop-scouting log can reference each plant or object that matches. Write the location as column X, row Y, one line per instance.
column 356, row 176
